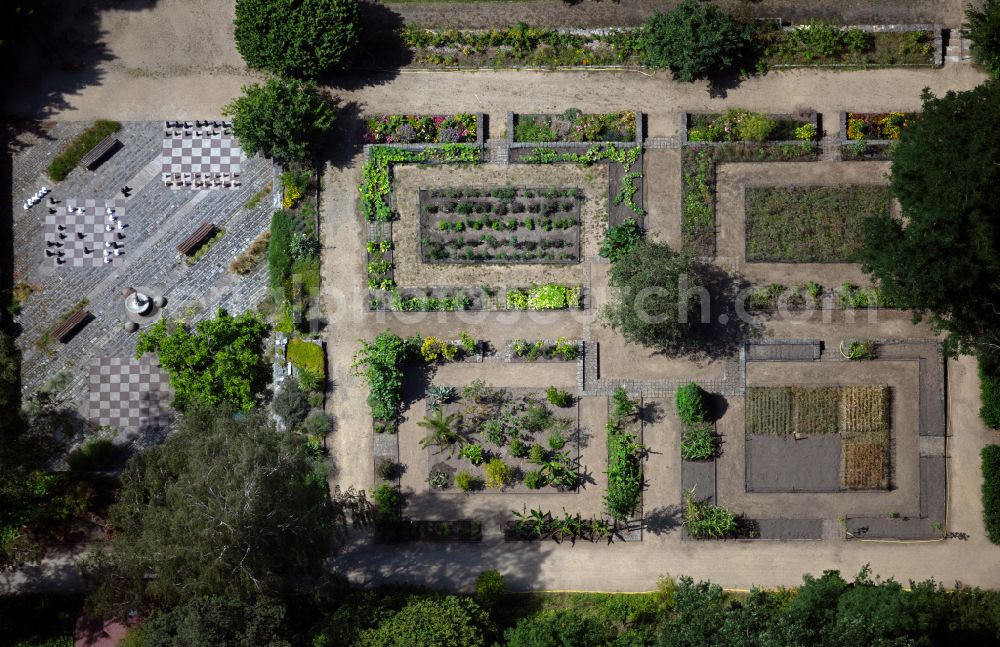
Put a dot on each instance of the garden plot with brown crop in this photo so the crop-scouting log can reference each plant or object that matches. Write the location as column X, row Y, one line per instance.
column 411, row 269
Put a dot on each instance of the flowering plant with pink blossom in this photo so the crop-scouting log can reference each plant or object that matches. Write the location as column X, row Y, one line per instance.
column 421, row 129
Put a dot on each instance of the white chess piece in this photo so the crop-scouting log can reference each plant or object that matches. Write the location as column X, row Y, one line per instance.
column 119, row 252
column 45, row 190
column 119, row 225
column 107, row 259
column 108, row 228
column 26, row 205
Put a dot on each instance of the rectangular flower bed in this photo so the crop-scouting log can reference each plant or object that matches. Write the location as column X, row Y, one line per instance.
column 539, row 350
column 422, row 129
column 501, row 225
column 876, row 125
column 741, row 125
column 810, row 224
column 819, row 44
column 456, row 530
column 574, row 126
column 550, row 296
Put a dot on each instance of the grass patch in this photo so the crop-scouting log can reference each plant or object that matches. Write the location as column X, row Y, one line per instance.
column 810, row 224
column 306, row 355
column 260, row 195
column 82, row 144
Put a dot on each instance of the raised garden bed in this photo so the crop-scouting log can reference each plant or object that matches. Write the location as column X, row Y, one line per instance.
column 461, row 128
column 810, row 224
column 739, row 125
column 542, row 350
column 573, row 126
column 821, row 44
column 380, row 265
column 817, row 439
column 550, row 296
column 500, row 225
column 537, row 441
column 431, row 300
column 538, row 525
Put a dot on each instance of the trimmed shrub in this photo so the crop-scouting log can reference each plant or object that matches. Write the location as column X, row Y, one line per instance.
column 991, row 491
column 989, row 389
column 498, row 474
column 82, row 144
column 490, row 588
column 691, row 405
column 307, row 356
column 386, row 469
column 279, row 253
column 694, row 40
column 386, row 499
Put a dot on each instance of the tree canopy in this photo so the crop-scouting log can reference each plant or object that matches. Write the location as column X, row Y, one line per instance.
column 984, row 31
column 694, row 40
column 432, row 622
column 217, row 621
column 943, row 256
column 220, row 362
column 286, row 119
column 651, row 302
column 226, row 506
column 296, row 37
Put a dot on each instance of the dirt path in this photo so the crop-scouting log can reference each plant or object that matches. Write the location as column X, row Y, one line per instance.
column 605, row 13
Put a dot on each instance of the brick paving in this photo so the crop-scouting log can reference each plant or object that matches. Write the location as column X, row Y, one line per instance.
column 158, row 219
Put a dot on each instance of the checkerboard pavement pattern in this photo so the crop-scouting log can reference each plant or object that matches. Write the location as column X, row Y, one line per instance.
column 83, row 237
column 130, row 394
column 220, row 154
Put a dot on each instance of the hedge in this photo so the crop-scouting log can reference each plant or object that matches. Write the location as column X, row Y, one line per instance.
column 306, row 355
column 991, row 491
column 67, row 160
column 989, row 389
column 691, row 405
column 279, row 254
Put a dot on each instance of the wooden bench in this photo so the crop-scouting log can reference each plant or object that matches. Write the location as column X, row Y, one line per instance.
column 194, row 241
column 65, row 330
column 99, row 152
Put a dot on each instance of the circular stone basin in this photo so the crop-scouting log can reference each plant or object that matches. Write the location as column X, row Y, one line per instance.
column 138, row 303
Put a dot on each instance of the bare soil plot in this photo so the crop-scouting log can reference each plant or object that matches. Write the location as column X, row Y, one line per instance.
column 787, row 464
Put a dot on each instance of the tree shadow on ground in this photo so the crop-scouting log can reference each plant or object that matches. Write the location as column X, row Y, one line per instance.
column 345, row 141
column 662, row 520
column 727, row 326
column 380, row 55
column 651, row 412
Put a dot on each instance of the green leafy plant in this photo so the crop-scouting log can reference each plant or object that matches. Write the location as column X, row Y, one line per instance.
column 624, row 473
column 498, row 474
column 806, row 132
column 518, row 448
column 703, row 520
column 861, row 350
column 469, row 343
column 380, row 363
column 984, row 31
column 490, row 588
column 386, row 469
column 439, row 480
column 558, row 397
column 989, row 388
column 537, row 453
column 622, row 404
column 474, row 453
column 465, row 481
column 438, row 395
column 698, row 443
column 444, row 433
column 533, row 480
column 694, row 40
column 991, row 491
column 556, row 440
column 387, row 499
column 620, row 239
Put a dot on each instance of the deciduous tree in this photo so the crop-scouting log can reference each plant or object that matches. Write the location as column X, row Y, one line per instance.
column 695, row 40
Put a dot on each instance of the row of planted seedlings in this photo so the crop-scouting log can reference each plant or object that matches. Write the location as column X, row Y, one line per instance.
column 500, row 225
column 872, row 135
column 737, row 135
column 812, row 295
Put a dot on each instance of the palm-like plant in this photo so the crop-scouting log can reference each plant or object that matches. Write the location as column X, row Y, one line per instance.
column 558, row 470
column 533, row 522
column 444, row 431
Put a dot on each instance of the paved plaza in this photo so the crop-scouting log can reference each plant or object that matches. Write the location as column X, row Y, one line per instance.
column 129, row 394
column 155, row 219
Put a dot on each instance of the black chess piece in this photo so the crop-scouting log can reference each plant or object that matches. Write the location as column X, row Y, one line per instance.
column 61, row 227
column 53, row 200
column 60, row 253
column 60, row 261
column 87, row 250
column 49, row 252
column 50, row 243
column 81, row 235
column 51, row 210
column 59, row 244
column 62, row 236
column 121, row 235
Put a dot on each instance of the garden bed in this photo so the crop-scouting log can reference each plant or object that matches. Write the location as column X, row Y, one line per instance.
column 574, row 126
column 536, row 440
column 810, row 224
column 550, row 296
column 821, row 44
column 461, row 128
column 500, row 225
column 698, row 162
column 542, row 350
column 739, row 125
column 817, row 439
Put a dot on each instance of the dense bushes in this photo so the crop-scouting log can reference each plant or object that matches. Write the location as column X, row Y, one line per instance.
column 279, row 254
column 380, row 363
column 307, row 356
column 296, row 37
column 620, row 239
column 67, row 160
column 989, row 389
column 694, row 40
column 690, row 404
column 991, row 491
column 625, row 454
column 984, row 31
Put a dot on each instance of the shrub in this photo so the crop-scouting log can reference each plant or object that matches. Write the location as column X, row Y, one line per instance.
column 991, row 491
column 620, row 239
column 984, row 31
column 533, row 480
column 318, row 424
column 490, row 588
column 279, row 250
column 623, row 405
column 518, row 448
column 94, row 454
column 805, row 132
column 537, row 453
column 556, row 440
column 380, row 363
column 694, row 40
column 690, row 404
column 498, row 474
column 296, row 37
column 307, row 356
column 558, row 397
column 989, row 389
column 386, row 498
column 434, row 349
column 465, row 482
column 386, row 469
column 698, row 443
column 290, row 403
column 82, row 144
